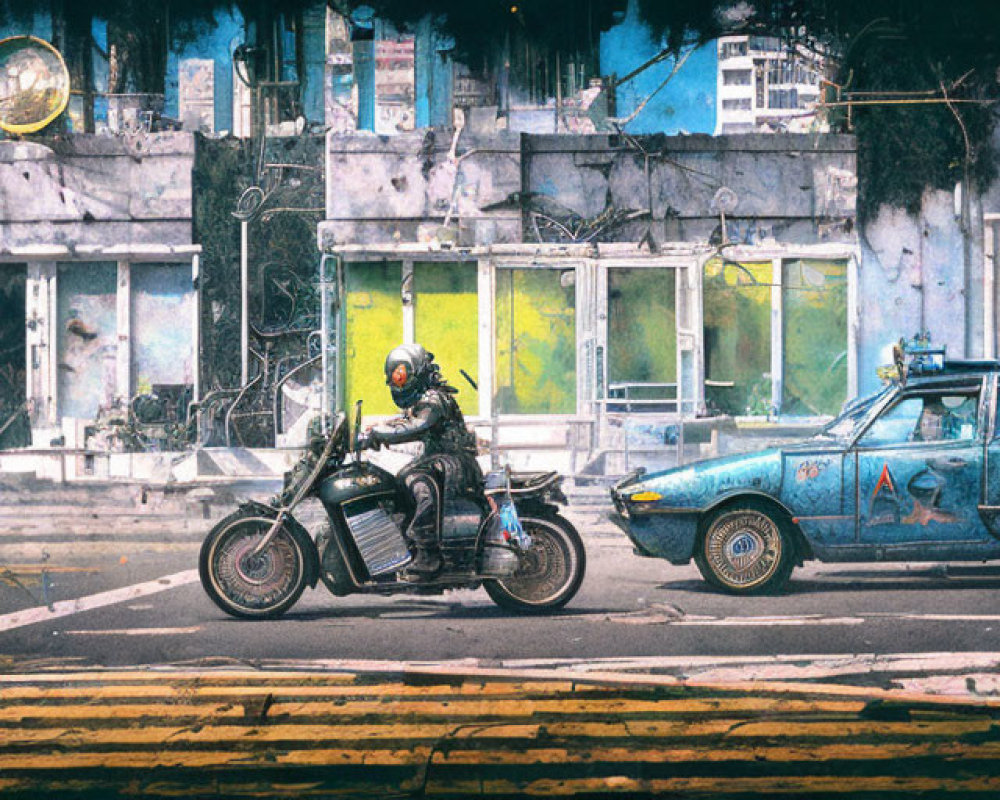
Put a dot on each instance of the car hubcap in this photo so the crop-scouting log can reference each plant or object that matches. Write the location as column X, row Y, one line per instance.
column 744, row 548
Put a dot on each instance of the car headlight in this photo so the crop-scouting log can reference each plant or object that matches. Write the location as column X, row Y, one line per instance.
column 645, row 497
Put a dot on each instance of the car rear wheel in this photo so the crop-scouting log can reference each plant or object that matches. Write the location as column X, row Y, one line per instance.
column 746, row 549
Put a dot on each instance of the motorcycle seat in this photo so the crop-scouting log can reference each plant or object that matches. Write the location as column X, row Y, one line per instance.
column 520, row 481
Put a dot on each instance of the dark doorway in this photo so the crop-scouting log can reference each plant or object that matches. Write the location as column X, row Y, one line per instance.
column 15, row 430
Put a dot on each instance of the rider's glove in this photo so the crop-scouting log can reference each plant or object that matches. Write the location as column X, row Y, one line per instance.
column 369, row 440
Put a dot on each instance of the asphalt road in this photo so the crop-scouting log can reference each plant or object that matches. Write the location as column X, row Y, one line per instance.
column 634, row 612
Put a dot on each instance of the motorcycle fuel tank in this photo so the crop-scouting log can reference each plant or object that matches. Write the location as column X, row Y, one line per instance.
column 355, row 481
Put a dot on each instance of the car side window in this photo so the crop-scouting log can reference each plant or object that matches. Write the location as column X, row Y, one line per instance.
column 937, row 417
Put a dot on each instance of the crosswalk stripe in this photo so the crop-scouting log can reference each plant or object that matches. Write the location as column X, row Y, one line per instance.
column 478, row 736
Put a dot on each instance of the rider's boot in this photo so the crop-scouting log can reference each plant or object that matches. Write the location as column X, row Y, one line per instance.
column 427, row 560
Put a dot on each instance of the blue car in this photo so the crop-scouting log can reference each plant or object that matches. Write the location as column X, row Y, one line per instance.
column 911, row 473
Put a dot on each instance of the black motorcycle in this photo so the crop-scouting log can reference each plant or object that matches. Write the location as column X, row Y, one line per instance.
column 512, row 541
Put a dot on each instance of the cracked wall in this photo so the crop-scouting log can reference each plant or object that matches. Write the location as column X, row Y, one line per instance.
column 786, row 188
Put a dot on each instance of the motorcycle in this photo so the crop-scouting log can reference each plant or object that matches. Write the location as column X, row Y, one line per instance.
column 512, row 540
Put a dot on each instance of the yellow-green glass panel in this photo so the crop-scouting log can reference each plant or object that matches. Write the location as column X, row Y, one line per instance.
column 815, row 337
column 373, row 325
column 642, row 328
column 446, row 317
column 737, row 303
column 536, row 341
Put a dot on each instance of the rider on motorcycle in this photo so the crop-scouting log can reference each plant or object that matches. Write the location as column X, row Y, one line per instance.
column 448, row 462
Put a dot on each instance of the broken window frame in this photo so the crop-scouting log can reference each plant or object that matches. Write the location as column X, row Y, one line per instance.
column 631, row 397
column 591, row 308
column 563, row 268
column 41, row 311
column 752, row 254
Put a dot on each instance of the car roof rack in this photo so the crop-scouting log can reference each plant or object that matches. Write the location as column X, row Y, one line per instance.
column 970, row 364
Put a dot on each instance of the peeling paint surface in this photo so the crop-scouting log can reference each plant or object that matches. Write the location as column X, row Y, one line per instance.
column 642, row 329
column 87, row 338
column 374, row 325
column 536, row 342
column 446, row 323
column 162, row 311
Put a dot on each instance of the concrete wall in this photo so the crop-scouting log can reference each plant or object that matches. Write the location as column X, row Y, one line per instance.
column 405, row 187
column 790, row 188
column 917, row 276
column 100, row 191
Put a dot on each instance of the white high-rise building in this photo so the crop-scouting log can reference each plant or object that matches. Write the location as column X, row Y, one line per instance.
column 767, row 85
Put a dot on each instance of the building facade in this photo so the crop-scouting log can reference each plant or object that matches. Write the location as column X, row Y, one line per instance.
column 577, row 280
column 764, row 84
column 98, row 232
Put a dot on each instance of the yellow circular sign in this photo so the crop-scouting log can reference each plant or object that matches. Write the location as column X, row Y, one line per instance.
column 34, row 84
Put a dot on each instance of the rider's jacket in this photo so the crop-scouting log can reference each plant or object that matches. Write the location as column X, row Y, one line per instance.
column 436, row 420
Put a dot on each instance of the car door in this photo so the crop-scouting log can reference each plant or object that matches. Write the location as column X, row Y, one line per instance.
column 815, row 484
column 919, row 469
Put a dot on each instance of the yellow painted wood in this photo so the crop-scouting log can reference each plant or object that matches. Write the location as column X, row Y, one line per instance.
column 206, row 711
column 545, row 679
column 589, row 754
column 204, row 689
column 729, row 731
column 169, row 676
column 171, row 734
column 200, row 759
column 427, row 708
column 446, row 322
column 747, row 728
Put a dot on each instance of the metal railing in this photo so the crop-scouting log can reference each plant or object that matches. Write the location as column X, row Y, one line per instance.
column 579, row 437
column 624, row 394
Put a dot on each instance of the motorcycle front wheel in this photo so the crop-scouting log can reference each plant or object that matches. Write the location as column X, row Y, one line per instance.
column 247, row 584
column 551, row 571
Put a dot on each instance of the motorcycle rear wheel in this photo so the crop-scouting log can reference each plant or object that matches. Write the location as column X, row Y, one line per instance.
column 551, row 572
column 246, row 585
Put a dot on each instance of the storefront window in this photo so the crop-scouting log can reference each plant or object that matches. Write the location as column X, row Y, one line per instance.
column 737, row 300
column 162, row 310
column 642, row 332
column 373, row 322
column 87, row 337
column 446, row 323
column 815, row 337
column 536, row 341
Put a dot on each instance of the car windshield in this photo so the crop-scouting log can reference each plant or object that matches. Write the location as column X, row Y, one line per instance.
column 844, row 426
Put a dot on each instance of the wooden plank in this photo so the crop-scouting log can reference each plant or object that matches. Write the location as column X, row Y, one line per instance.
column 247, row 733
column 275, row 728
column 346, row 708
column 291, row 689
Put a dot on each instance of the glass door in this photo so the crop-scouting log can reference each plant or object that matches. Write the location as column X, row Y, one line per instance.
column 535, row 341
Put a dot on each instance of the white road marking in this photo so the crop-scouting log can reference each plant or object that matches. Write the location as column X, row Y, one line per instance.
column 666, row 614
column 135, row 631
column 64, row 608
column 967, row 675
column 907, row 671
column 742, row 622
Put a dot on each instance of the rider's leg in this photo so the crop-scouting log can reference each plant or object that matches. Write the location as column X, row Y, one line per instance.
column 423, row 529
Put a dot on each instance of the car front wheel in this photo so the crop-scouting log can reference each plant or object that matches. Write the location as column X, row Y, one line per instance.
column 746, row 550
